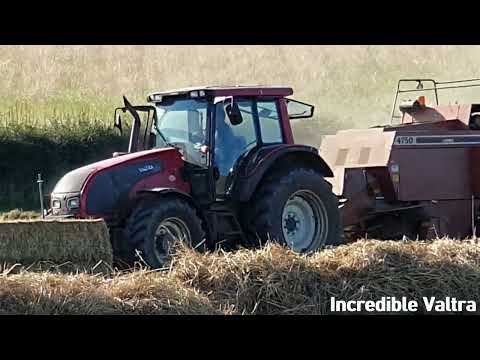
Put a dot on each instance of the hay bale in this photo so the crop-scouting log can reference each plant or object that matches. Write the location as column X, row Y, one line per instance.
column 42, row 244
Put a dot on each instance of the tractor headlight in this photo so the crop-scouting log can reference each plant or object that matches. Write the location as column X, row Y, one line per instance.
column 155, row 97
column 56, row 204
column 73, row 203
column 196, row 94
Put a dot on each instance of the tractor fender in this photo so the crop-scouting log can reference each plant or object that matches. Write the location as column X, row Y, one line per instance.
column 170, row 191
column 164, row 191
column 274, row 158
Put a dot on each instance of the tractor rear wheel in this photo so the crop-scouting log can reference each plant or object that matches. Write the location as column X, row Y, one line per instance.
column 155, row 227
column 297, row 209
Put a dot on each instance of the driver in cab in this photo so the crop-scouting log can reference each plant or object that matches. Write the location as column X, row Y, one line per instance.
column 227, row 144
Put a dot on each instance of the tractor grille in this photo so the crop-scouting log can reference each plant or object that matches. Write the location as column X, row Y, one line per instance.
column 63, row 210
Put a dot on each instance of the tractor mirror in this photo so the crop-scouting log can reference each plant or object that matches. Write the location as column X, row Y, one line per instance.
column 299, row 110
column 234, row 114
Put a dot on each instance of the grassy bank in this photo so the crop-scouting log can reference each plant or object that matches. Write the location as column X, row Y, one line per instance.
column 267, row 281
column 24, row 154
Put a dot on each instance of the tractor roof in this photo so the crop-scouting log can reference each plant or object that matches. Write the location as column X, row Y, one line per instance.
column 237, row 90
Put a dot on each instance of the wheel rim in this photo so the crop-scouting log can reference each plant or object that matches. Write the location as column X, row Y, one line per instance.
column 168, row 233
column 304, row 221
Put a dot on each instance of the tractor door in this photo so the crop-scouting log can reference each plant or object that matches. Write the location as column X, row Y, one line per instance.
column 237, row 141
column 197, row 156
column 232, row 140
column 239, row 144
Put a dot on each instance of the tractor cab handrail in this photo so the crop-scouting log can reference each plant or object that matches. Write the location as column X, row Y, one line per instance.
column 436, row 86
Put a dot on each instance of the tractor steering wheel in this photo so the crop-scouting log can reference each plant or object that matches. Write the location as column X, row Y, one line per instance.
column 197, row 137
column 250, row 143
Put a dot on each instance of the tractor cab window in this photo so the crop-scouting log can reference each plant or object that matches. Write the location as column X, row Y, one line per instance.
column 231, row 141
column 269, row 120
column 183, row 123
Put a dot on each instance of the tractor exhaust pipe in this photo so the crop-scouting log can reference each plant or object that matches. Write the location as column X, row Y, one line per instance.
column 40, row 191
column 133, row 144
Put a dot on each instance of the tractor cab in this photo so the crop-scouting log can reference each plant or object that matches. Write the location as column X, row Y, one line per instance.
column 213, row 127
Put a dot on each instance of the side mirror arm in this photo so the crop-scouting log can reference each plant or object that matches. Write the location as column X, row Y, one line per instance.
column 117, row 120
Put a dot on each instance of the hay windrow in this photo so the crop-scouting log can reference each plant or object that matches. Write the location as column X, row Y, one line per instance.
column 272, row 280
column 74, row 244
column 276, row 281
column 67, row 294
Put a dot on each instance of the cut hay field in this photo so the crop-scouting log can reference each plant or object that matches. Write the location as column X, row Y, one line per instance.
column 268, row 281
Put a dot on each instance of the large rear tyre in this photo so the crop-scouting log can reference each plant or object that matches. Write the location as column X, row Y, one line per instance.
column 297, row 209
column 155, row 227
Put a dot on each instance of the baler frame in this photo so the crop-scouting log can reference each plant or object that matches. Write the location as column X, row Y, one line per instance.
column 437, row 85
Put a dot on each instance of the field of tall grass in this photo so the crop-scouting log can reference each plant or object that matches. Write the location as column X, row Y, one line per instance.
column 60, row 99
column 351, row 85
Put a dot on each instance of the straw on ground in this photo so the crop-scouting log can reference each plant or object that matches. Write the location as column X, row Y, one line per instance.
column 272, row 280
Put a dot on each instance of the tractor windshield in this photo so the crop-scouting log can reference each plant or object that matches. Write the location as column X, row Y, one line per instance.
column 183, row 124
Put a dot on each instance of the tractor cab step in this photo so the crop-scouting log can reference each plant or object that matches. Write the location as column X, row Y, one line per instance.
column 225, row 224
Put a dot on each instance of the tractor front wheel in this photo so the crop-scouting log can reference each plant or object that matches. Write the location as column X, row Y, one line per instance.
column 298, row 209
column 155, row 227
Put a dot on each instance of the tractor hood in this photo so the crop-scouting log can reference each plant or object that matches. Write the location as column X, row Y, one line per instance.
column 73, row 181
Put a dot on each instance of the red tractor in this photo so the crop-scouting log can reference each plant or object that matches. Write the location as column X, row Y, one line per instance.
column 207, row 165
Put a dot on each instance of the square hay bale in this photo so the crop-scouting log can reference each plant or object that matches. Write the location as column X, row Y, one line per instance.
column 67, row 245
